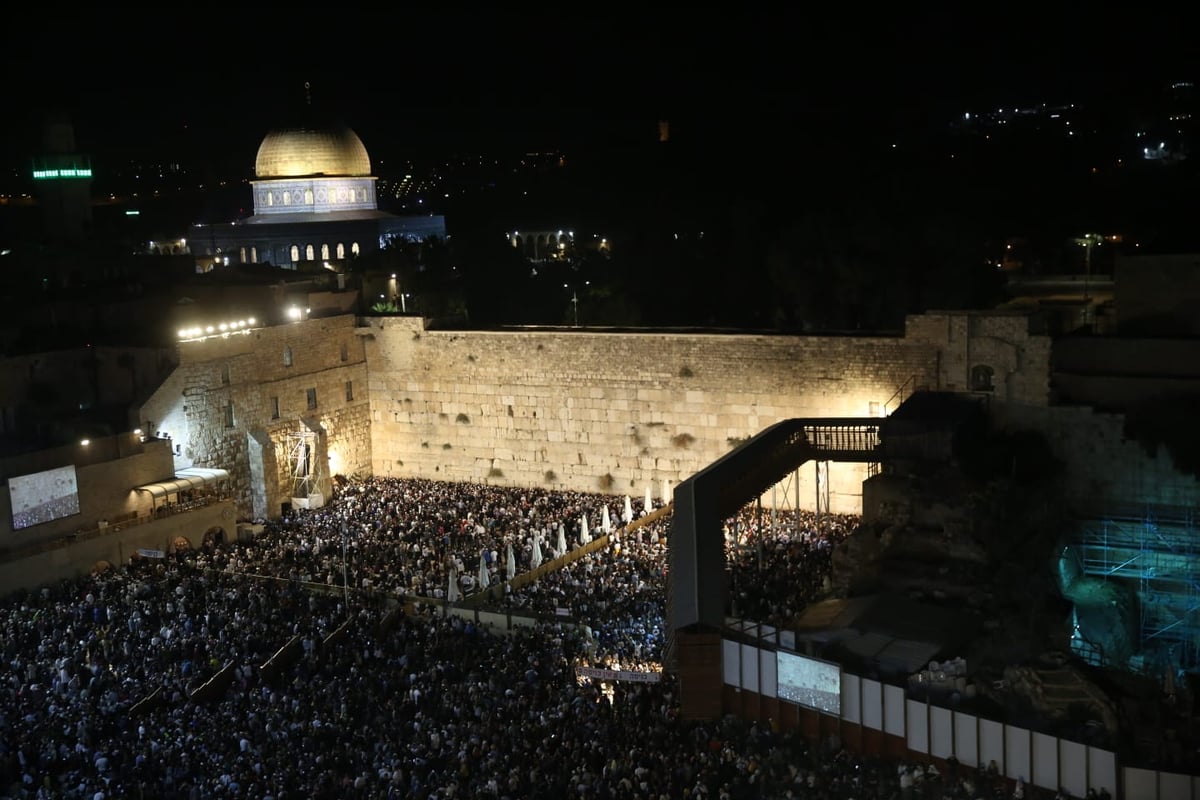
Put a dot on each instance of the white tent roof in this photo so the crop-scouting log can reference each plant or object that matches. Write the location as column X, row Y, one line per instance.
column 189, row 478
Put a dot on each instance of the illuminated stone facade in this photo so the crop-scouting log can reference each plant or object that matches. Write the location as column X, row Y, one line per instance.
column 314, row 203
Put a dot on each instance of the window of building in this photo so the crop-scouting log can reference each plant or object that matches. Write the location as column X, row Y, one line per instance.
column 324, row 252
column 225, row 376
column 274, row 408
column 253, row 255
column 270, row 199
column 354, row 248
column 295, row 253
column 981, row 378
column 349, row 391
column 341, row 250
column 229, row 416
column 287, row 198
column 242, row 255
column 287, row 355
column 308, row 197
column 345, row 352
column 309, row 254
column 312, row 399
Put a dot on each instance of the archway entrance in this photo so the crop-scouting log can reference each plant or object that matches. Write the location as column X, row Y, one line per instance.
column 181, row 543
column 101, row 566
column 214, row 536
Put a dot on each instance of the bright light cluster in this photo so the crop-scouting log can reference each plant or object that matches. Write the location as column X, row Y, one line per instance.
column 51, row 174
column 199, row 332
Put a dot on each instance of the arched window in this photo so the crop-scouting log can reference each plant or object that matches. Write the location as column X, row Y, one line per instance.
column 270, row 199
column 253, row 255
column 295, row 253
column 287, row 355
column 981, row 378
column 308, row 252
column 287, row 198
column 308, row 197
column 341, row 250
column 242, row 255
column 325, row 252
column 354, row 249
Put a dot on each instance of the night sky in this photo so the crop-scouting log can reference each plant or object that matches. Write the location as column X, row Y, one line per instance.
column 407, row 81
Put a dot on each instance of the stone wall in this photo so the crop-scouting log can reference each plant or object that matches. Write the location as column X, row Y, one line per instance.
column 1007, row 344
column 613, row 412
column 593, row 410
column 1104, row 469
column 231, row 398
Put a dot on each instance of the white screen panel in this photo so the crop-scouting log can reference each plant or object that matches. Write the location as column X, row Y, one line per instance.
column 768, row 675
column 893, row 710
column 1102, row 771
column 941, row 732
column 1141, row 783
column 851, row 699
column 872, row 704
column 1072, row 766
column 1016, row 753
column 1173, row 786
column 749, row 668
column 991, row 743
column 731, row 658
column 1045, row 761
column 966, row 739
column 918, row 726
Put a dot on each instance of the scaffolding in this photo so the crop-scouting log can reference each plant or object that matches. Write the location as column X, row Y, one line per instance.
column 306, row 468
column 1157, row 553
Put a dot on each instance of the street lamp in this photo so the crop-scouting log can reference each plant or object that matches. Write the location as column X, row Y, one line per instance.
column 1087, row 242
column 575, row 299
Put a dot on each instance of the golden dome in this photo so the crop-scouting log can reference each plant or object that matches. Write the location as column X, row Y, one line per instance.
column 299, row 152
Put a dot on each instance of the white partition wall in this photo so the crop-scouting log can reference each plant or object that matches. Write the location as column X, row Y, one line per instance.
column 872, row 704
column 731, row 658
column 1045, row 761
column 1102, row 771
column 1174, row 787
column 1016, row 754
column 1072, row 767
column 941, row 732
column 918, row 726
column 991, row 743
column 1140, row 783
column 851, row 698
column 966, row 739
column 893, row 711
column 768, row 677
column 749, row 668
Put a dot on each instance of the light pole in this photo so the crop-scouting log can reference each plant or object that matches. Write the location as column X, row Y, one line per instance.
column 1087, row 242
column 345, row 578
column 575, row 299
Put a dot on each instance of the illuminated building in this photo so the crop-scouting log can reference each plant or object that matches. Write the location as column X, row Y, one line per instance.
column 314, row 203
column 63, row 182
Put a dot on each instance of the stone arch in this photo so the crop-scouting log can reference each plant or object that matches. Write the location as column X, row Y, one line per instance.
column 214, row 536
column 101, row 566
column 308, row 197
column 295, row 253
column 341, row 250
column 309, row 252
column 982, row 376
column 354, row 248
column 181, row 543
column 325, row 251
column 253, row 255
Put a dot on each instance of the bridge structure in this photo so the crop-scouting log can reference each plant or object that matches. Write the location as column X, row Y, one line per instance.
column 696, row 555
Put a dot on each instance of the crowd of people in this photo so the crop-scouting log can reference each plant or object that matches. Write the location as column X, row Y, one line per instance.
column 377, row 701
